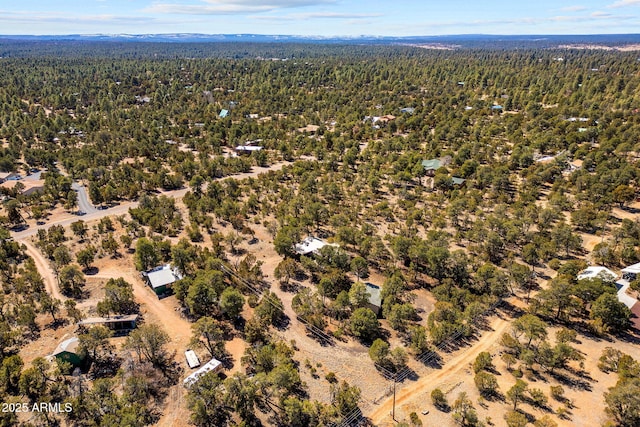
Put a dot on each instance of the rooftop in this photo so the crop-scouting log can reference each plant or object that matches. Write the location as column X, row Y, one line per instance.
column 112, row 319
column 212, row 365
column 69, row 345
column 162, row 276
column 248, row 148
column 635, row 268
column 374, row 294
column 311, row 244
column 432, row 164
column 597, row 271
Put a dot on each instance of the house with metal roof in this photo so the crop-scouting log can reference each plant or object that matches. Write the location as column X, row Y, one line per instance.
column 311, row 245
column 432, row 165
column 375, row 297
column 597, row 272
column 631, row 273
column 69, row 351
column 161, row 278
column 120, row 324
column 247, row 149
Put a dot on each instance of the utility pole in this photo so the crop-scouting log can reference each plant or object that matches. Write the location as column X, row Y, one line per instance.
column 393, row 411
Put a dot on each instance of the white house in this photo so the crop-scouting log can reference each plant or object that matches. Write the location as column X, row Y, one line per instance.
column 311, row 245
column 598, row 272
column 630, row 273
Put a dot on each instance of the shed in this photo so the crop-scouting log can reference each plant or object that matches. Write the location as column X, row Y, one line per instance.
column 161, row 278
column 214, row 365
column 224, row 113
column 375, row 299
column 192, row 359
column 68, row 351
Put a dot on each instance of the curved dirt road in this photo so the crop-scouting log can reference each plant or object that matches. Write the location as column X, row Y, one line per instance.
column 123, row 208
column 50, row 281
column 154, row 310
column 416, row 392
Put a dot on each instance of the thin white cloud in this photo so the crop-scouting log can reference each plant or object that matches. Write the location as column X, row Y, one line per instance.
column 624, row 3
column 230, row 7
column 595, row 16
column 57, row 18
column 573, row 9
column 318, row 15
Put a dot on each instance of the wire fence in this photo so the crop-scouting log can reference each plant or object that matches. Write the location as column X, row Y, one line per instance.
column 356, row 417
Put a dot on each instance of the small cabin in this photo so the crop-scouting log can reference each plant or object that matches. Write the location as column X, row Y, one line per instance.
column 161, row 278
column 69, row 351
column 120, row 324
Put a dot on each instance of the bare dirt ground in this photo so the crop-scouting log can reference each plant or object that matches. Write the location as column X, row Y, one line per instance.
column 349, row 360
column 45, row 270
column 585, row 393
column 153, row 310
column 414, row 394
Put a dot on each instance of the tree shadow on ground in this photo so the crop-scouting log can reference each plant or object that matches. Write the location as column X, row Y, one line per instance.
column 571, row 382
column 91, row 271
column 431, row 359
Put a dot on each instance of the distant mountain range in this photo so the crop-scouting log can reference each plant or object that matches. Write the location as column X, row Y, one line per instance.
column 459, row 40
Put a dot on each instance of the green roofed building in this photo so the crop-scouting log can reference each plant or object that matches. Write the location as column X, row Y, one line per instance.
column 68, row 351
column 432, row 165
column 161, row 278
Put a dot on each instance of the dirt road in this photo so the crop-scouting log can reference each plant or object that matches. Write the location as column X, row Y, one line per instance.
column 161, row 312
column 123, row 208
column 50, row 281
column 416, row 392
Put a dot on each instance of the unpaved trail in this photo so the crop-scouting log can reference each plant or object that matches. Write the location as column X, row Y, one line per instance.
column 123, row 207
column 50, row 282
column 154, row 310
column 416, row 392
column 162, row 312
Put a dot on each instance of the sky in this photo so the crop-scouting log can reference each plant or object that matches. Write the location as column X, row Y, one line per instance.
column 319, row 17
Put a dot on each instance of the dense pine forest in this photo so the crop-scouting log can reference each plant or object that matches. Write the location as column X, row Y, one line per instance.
column 468, row 188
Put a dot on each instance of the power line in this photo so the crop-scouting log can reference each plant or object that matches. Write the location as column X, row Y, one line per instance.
column 355, row 417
